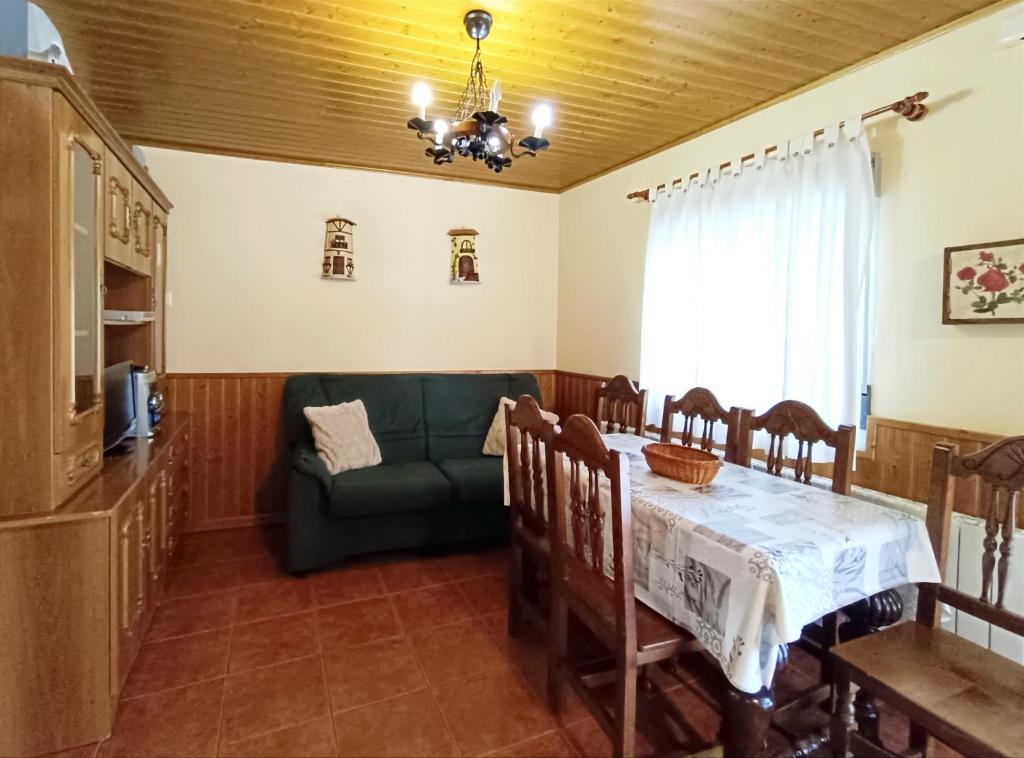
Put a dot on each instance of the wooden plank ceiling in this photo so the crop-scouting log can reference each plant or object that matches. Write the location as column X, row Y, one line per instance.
column 329, row 82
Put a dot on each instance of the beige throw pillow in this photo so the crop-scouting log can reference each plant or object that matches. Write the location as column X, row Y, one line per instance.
column 494, row 444
column 342, row 436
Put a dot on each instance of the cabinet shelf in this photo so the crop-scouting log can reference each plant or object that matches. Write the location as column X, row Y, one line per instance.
column 127, row 318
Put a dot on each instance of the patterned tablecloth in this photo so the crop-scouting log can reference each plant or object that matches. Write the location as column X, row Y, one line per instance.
column 744, row 563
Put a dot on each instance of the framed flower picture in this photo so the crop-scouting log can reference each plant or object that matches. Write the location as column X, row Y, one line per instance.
column 984, row 284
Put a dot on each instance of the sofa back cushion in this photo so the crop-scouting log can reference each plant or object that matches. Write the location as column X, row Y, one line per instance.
column 413, row 417
column 394, row 407
column 459, row 409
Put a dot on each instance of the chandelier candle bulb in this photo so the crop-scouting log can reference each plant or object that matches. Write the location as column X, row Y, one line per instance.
column 422, row 97
column 440, row 129
column 541, row 119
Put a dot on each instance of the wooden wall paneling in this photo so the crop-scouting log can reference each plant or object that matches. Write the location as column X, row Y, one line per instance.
column 200, row 450
column 246, row 480
column 898, row 461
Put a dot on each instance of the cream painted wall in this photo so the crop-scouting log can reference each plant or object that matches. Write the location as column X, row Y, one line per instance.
column 957, row 177
column 245, row 246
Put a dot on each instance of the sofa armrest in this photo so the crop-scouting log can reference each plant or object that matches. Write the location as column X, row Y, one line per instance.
column 306, row 461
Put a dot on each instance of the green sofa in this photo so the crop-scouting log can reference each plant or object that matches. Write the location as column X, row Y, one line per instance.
column 434, row 485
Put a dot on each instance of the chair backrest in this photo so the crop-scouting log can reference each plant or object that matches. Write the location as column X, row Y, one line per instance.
column 527, row 436
column 621, row 407
column 791, row 417
column 1000, row 467
column 702, row 403
column 582, row 459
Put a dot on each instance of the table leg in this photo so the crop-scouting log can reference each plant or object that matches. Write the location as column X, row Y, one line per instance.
column 747, row 716
column 867, row 617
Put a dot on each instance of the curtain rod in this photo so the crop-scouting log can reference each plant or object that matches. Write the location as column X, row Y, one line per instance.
column 912, row 108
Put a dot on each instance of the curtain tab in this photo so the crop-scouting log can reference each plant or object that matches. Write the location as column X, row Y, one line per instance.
column 807, row 144
column 852, row 127
column 759, row 159
column 831, row 135
column 652, row 194
column 782, row 152
column 669, row 185
column 736, row 165
column 702, row 179
column 715, row 173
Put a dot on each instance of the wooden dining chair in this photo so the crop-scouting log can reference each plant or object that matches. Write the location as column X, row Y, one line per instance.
column 527, row 436
column 802, row 422
column 600, row 597
column 701, row 403
column 965, row 695
column 621, row 407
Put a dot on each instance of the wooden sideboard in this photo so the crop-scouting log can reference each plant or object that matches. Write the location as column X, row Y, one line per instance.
column 77, row 592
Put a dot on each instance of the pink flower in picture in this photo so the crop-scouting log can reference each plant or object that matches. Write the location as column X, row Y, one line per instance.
column 1021, row 268
column 993, row 280
column 967, row 273
column 987, row 257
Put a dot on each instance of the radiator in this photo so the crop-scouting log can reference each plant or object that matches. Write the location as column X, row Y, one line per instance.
column 963, row 571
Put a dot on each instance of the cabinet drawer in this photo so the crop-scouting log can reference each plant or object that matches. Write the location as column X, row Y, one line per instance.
column 73, row 470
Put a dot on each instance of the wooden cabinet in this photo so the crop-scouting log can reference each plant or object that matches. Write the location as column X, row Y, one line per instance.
column 76, row 237
column 80, row 587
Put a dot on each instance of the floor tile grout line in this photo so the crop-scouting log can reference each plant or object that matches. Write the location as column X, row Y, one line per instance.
column 556, row 730
column 423, row 676
column 275, row 730
column 327, row 681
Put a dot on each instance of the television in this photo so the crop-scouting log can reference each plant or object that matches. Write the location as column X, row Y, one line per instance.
column 118, row 404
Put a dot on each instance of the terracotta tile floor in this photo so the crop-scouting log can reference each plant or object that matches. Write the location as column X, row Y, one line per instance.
column 385, row 656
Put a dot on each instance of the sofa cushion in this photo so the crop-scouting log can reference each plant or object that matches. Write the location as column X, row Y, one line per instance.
column 475, row 481
column 396, row 488
column 394, row 407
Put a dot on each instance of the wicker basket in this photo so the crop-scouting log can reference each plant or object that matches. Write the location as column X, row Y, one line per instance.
column 684, row 464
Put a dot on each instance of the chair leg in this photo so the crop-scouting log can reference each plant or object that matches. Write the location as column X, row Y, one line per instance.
column 515, row 589
column 557, row 650
column 842, row 716
column 624, row 745
column 919, row 739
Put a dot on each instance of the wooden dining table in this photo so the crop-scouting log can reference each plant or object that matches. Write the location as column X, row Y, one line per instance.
column 746, row 562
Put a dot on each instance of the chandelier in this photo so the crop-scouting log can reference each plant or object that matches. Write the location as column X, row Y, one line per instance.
column 477, row 128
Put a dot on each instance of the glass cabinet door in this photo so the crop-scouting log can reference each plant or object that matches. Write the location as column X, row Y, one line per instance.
column 85, row 281
column 159, row 287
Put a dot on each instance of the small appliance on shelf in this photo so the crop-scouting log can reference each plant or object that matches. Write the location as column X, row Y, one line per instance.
column 149, row 402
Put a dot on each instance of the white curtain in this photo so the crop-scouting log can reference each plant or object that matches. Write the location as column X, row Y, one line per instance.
column 755, row 285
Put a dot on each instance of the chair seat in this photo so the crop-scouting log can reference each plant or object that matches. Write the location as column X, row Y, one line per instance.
column 656, row 636
column 969, row 689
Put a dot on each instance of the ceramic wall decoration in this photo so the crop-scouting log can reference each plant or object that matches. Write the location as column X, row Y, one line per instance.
column 464, row 267
column 984, row 283
column 339, row 250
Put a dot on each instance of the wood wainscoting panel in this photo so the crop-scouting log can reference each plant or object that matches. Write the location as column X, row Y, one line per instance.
column 238, row 476
column 576, row 393
column 898, row 461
